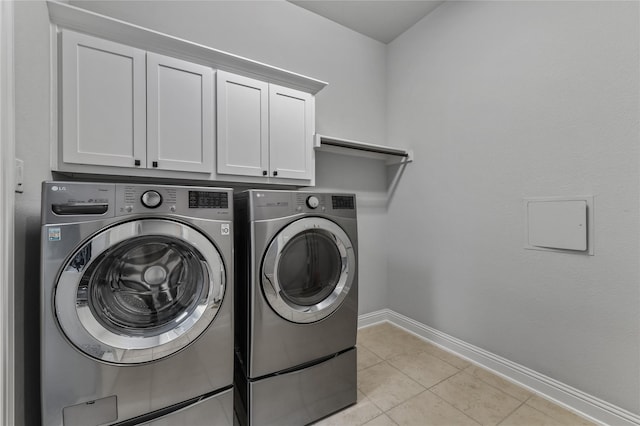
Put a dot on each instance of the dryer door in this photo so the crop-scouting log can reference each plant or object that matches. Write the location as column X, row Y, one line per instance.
column 139, row 291
column 308, row 270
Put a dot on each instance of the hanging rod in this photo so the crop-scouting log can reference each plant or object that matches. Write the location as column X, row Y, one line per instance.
column 322, row 140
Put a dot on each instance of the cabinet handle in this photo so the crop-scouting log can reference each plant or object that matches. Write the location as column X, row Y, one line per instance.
column 136, row 162
column 154, row 164
column 275, row 173
column 264, row 173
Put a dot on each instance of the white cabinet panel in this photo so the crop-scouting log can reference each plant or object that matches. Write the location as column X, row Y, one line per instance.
column 242, row 107
column 103, row 102
column 180, row 115
column 264, row 129
column 125, row 107
column 291, row 120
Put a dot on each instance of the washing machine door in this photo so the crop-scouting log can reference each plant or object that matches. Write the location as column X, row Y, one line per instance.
column 308, row 270
column 139, row 291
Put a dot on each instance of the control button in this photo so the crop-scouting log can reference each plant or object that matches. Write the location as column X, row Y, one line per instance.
column 128, row 209
column 313, row 202
column 151, row 199
column 172, row 209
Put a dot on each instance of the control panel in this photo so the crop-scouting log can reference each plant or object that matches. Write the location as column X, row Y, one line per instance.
column 67, row 201
column 320, row 202
column 270, row 204
column 190, row 201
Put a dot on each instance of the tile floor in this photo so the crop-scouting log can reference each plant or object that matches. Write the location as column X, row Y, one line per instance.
column 403, row 380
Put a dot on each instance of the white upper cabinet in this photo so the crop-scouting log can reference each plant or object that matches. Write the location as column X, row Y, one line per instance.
column 103, row 102
column 243, row 125
column 263, row 129
column 180, row 134
column 291, row 128
column 127, row 110
column 125, row 107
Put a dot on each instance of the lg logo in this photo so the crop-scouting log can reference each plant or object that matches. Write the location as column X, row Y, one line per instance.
column 58, row 188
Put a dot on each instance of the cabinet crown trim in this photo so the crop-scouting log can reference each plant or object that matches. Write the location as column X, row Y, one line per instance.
column 78, row 19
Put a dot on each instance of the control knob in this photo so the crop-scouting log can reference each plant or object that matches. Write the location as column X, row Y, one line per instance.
column 313, row 202
column 151, row 199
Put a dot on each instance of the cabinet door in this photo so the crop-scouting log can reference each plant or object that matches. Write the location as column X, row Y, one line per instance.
column 243, row 123
column 103, row 102
column 291, row 128
column 179, row 115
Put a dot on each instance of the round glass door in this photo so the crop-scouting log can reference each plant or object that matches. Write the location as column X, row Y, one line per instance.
column 140, row 291
column 308, row 270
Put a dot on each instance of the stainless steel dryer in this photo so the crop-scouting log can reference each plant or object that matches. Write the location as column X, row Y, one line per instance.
column 296, row 305
column 136, row 318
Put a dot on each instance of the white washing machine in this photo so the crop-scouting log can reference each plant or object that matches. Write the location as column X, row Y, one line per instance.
column 296, row 305
column 136, row 304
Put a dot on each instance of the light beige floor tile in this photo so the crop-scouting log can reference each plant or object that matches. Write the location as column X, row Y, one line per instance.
column 360, row 413
column 529, row 416
column 366, row 358
column 549, row 408
column 423, row 368
column 452, row 359
column 391, row 341
column 410, row 367
column 367, row 333
column 428, row 409
column 477, row 399
column 377, row 328
column 387, row 340
column 382, row 420
column 386, row 386
column 496, row 381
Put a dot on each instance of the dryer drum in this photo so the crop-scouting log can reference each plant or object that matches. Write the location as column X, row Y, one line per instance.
column 309, row 267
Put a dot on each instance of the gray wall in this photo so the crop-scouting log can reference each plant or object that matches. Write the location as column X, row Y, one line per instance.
column 275, row 32
column 506, row 100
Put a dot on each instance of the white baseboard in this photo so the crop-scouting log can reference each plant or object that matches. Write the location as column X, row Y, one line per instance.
column 573, row 399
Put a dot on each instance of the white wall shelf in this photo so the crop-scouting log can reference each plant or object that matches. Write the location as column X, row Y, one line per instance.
column 364, row 149
column 74, row 18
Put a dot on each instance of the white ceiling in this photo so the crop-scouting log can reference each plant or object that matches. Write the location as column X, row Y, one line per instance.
column 382, row 20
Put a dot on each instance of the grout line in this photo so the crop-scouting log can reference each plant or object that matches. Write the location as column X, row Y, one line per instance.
column 496, row 387
column 445, row 379
column 512, row 411
column 405, row 400
column 454, row 407
column 386, row 415
column 406, row 375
